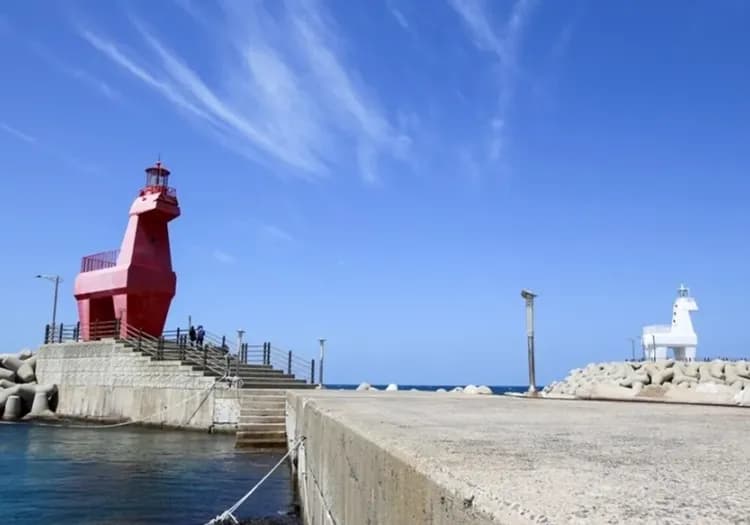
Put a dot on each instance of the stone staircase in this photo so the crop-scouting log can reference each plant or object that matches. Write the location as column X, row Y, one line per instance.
column 213, row 363
column 262, row 419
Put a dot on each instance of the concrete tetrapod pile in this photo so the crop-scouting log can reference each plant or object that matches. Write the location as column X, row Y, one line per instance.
column 20, row 395
column 468, row 389
column 713, row 382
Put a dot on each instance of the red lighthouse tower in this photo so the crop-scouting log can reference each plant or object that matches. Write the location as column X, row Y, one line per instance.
column 133, row 285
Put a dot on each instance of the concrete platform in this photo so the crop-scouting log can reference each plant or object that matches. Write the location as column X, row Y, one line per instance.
column 428, row 458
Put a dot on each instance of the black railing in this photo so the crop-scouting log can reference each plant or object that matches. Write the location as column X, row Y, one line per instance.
column 214, row 354
column 99, row 261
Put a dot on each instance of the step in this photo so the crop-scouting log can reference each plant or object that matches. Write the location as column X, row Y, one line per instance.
column 255, row 399
column 262, row 419
column 268, row 435
column 263, row 405
column 262, row 412
column 264, row 392
column 261, row 428
column 261, row 444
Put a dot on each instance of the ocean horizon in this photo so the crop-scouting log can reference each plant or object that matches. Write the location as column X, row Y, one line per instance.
column 496, row 389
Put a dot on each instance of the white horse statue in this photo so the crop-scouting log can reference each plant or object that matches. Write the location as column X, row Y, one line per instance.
column 680, row 336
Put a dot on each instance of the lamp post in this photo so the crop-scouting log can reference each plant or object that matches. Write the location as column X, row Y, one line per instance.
column 528, row 296
column 322, row 355
column 240, row 333
column 632, row 346
column 57, row 280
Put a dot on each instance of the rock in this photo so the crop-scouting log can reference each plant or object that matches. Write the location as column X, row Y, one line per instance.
column 391, row 388
column 25, row 373
column 40, row 404
column 31, row 361
column 470, row 389
column 4, row 383
column 8, row 375
column 484, row 390
column 5, row 393
column 457, row 389
column 413, row 390
column 11, row 362
column 441, row 390
column 24, row 354
column 732, row 375
column 13, row 408
column 662, row 376
column 364, row 386
column 742, row 398
column 742, row 369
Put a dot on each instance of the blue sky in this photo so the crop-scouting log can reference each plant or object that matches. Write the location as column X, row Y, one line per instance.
column 390, row 174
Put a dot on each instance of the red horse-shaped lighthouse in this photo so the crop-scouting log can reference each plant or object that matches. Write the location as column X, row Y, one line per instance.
column 132, row 288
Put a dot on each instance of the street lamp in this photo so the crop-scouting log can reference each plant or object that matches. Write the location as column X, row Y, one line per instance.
column 240, row 333
column 322, row 355
column 57, row 280
column 632, row 346
column 528, row 295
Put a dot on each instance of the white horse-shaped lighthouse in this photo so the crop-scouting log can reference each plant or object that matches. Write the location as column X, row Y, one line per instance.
column 680, row 336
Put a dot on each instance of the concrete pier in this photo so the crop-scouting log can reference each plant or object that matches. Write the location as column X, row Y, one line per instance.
column 450, row 459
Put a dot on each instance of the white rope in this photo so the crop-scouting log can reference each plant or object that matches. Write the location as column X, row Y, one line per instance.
column 142, row 420
column 229, row 513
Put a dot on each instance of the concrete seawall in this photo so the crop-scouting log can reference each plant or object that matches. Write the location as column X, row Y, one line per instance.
column 107, row 381
column 423, row 458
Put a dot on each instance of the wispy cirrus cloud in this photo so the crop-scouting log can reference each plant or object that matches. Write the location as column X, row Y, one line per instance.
column 503, row 40
column 275, row 233
column 291, row 100
column 224, row 257
column 79, row 74
column 400, row 18
column 17, row 133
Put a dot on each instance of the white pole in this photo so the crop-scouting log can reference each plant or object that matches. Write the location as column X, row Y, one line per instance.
column 322, row 355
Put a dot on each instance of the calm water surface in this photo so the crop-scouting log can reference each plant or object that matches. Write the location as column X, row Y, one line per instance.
column 131, row 475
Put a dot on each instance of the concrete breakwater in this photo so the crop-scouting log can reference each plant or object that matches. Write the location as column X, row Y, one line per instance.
column 106, row 381
column 712, row 382
column 20, row 394
column 408, row 458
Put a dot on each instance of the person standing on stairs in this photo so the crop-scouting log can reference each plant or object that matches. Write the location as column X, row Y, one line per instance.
column 200, row 334
column 191, row 335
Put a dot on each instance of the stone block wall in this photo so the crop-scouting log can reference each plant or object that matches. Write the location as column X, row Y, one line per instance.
column 106, row 380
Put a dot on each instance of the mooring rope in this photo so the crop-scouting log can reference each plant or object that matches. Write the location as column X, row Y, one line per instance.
column 142, row 420
column 229, row 513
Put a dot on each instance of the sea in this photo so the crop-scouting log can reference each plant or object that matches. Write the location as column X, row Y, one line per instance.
column 134, row 475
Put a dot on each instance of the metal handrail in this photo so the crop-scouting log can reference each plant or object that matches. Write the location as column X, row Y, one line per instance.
column 217, row 355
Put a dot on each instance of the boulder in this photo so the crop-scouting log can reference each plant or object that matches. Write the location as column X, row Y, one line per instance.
column 11, row 362
column 391, row 388
column 5, row 393
column 363, row 387
column 662, row 376
column 25, row 373
column 8, row 375
column 742, row 369
column 24, row 354
column 484, row 390
column 470, row 389
column 441, row 390
column 4, row 383
column 742, row 398
column 40, row 404
column 13, row 408
column 457, row 389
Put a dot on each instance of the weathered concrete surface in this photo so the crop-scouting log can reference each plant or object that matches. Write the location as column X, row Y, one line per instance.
column 446, row 459
column 105, row 380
